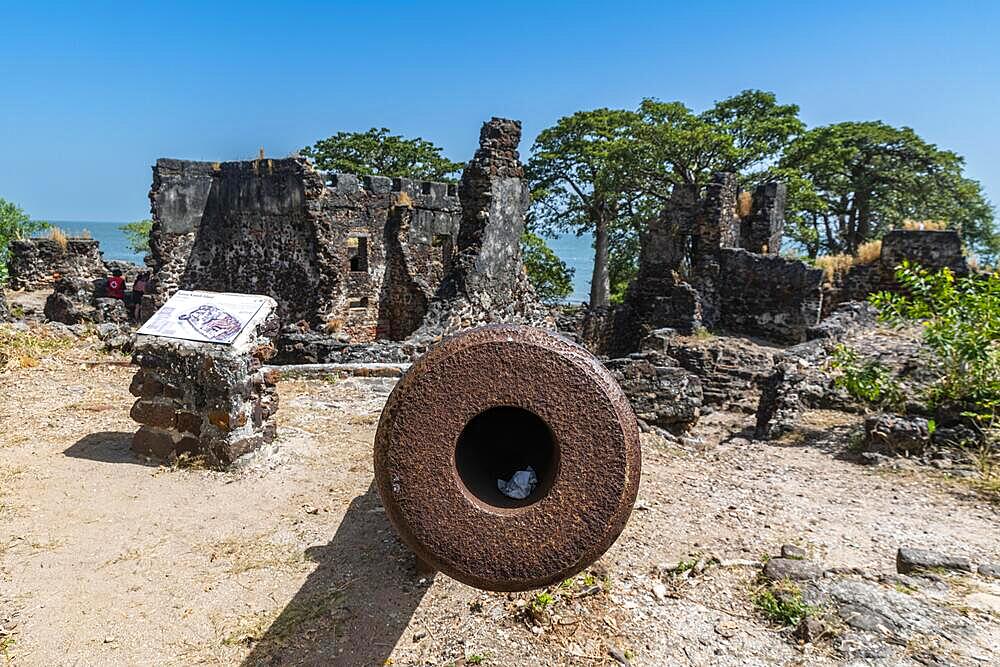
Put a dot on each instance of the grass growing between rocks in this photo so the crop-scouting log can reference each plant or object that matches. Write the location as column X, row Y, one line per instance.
column 866, row 380
column 25, row 349
column 782, row 604
column 558, row 605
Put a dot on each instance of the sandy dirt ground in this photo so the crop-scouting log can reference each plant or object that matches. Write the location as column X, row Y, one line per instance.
column 106, row 559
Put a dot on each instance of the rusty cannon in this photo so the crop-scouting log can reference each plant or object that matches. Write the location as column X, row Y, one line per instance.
column 507, row 458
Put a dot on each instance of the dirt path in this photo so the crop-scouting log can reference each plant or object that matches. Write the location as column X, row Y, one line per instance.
column 108, row 560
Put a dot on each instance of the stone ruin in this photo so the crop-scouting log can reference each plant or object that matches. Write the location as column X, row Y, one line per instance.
column 931, row 249
column 486, row 283
column 331, row 249
column 35, row 263
column 350, row 261
column 205, row 400
column 372, row 269
column 704, row 266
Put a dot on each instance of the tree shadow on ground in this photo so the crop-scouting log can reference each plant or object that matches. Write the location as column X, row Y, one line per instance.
column 107, row 447
column 840, row 441
column 355, row 605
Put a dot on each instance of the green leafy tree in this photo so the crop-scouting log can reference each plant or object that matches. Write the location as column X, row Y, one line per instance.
column 608, row 171
column 851, row 182
column 379, row 153
column 623, row 261
column 14, row 224
column 579, row 176
column 744, row 134
column 137, row 234
column 549, row 275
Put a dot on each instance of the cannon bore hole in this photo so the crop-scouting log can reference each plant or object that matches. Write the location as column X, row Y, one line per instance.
column 499, row 442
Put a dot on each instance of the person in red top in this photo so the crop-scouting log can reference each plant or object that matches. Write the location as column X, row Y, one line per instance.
column 116, row 285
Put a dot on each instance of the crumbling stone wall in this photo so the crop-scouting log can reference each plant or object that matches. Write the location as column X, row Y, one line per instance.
column 716, row 226
column 761, row 231
column 702, row 265
column 202, row 399
column 357, row 256
column 177, row 201
column 769, row 296
column 931, row 249
column 486, row 281
column 392, row 239
column 659, row 297
column 34, row 263
column 4, row 310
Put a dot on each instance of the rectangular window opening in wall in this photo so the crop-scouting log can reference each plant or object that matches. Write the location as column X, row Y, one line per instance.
column 358, row 304
column 440, row 240
column 357, row 252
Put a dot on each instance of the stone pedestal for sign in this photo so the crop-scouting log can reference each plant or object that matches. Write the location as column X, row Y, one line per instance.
column 205, row 399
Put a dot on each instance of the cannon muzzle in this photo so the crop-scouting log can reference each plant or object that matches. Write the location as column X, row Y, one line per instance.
column 473, row 421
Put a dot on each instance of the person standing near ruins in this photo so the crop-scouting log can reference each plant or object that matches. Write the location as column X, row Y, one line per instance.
column 116, row 285
column 138, row 289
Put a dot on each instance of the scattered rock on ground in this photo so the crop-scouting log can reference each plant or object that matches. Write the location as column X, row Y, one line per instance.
column 793, row 552
column 790, row 568
column 910, row 560
column 890, row 434
column 991, row 570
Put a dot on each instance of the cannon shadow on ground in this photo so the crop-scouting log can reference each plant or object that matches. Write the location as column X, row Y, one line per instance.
column 356, row 604
column 107, row 447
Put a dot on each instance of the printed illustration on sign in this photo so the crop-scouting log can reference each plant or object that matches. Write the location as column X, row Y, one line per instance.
column 204, row 316
column 212, row 322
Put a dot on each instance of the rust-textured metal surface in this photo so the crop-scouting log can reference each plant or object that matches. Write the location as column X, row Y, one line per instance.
column 531, row 396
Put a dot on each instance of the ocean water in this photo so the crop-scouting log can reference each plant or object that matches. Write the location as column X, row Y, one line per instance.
column 114, row 243
column 576, row 251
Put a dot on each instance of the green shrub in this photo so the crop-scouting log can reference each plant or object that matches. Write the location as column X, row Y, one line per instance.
column 961, row 326
column 14, row 224
column 868, row 381
column 783, row 604
column 138, row 234
column 549, row 275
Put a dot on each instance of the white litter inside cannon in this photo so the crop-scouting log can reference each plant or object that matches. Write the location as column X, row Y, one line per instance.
column 521, row 485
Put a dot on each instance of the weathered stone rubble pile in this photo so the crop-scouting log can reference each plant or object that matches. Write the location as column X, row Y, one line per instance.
column 77, row 301
column 885, row 617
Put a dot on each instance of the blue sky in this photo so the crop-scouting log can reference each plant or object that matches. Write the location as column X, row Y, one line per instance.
column 91, row 95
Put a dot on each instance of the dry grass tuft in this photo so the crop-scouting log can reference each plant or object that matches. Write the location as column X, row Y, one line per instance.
column 255, row 552
column 334, row 325
column 60, row 237
column 926, row 225
column 868, row 253
column 834, row 266
column 24, row 349
column 744, row 205
column 404, row 199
